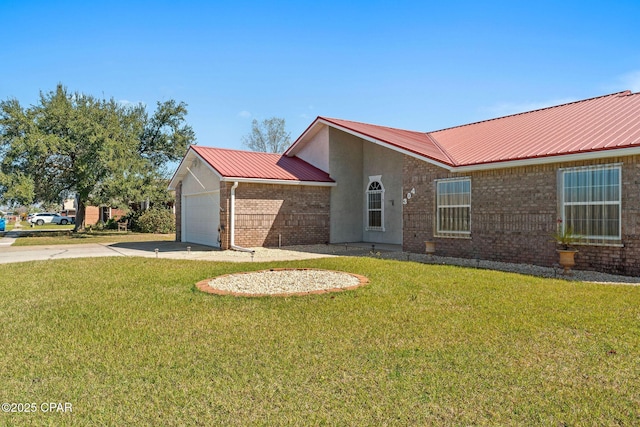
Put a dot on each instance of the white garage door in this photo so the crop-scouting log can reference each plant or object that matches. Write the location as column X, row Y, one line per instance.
column 201, row 218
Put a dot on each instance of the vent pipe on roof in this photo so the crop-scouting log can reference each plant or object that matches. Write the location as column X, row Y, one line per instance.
column 232, row 223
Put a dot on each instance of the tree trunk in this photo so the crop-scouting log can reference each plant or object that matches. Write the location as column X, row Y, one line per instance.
column 80, row 215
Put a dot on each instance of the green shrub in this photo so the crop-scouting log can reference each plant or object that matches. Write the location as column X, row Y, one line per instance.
column 132, row 219
column 111, row 224
column 155, row 220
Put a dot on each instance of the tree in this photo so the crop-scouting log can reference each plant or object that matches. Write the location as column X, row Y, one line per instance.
column 16, row 189
column 268, row 136
column 103, row 152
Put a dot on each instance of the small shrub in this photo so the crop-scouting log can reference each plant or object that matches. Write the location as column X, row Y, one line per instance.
column 111, row 224
column 156, row 220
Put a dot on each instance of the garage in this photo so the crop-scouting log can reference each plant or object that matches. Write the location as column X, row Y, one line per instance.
column 201, row 216
column 260, row 199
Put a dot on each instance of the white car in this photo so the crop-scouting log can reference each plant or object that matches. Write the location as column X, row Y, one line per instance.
column 63, row 219
column 49, row 218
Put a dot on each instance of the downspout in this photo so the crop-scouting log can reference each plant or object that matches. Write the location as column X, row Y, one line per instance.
column 232, row 223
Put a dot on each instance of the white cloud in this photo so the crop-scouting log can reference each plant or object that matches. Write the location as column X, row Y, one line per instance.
column 244, row 114
column 509, row 108
column 127, row 103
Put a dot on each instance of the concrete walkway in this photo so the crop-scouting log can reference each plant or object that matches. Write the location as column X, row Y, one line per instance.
column 9, row 238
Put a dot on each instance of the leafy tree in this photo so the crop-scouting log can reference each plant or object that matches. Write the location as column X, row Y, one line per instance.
column 16, row 189
column 165, row 136
column 268, row 136
column 50, row 207
column 104, row 152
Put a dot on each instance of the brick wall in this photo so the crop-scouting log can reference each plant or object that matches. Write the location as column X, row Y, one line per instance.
column 514, row 212
column 92, row 214
column 116, row 214
column 265, row 213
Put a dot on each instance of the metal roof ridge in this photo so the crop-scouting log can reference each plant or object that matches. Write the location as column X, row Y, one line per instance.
column 615, row 94
column 435, row 142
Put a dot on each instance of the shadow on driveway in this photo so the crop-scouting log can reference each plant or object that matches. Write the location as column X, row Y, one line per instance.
column 163, row 246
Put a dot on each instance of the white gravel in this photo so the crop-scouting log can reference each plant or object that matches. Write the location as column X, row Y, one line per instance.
column 283, row 281
column 292, row 281
column 533, row 270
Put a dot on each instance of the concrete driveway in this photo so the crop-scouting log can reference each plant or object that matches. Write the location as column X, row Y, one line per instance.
column 157, row 249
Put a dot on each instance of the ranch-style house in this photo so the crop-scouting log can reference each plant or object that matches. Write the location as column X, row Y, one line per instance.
column 492, row 190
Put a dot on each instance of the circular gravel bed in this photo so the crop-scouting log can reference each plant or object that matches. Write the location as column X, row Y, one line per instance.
column 282, row 282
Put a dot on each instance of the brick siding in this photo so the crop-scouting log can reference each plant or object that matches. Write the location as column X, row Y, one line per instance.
column 514, row 212
column 267, row 214
column 91, row 215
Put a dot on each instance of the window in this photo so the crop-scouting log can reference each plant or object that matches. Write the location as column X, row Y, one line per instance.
column 375, row 204
column 453, row 206
column 591, row 202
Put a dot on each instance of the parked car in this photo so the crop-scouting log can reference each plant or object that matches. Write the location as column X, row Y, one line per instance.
column 49, row 218
column 63, row 219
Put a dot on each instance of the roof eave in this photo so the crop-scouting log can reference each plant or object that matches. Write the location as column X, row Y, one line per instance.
column 296, row 146
column 544, row 160
column 279, row 181
column 183, row 168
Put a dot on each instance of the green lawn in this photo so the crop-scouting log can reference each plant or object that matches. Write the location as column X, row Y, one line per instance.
column 67, row 237
column 8, row 226
column 49, row 227
column 130, row 341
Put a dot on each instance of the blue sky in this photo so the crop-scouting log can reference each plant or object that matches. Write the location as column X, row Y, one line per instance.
column 416, row 65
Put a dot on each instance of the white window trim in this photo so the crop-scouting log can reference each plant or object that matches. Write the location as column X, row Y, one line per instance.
column 448, row 233
column 591, row 239
column 372, row 179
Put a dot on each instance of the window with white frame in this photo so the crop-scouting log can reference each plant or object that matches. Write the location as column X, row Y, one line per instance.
column 453, row 207
column 591, row 202
column 375, row 204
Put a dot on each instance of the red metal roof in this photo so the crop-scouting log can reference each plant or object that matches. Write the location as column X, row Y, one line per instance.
column 416, row 142
column 596, row 124
column 602, row 123
column 251, row 164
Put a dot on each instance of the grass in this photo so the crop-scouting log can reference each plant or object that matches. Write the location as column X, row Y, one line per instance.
column 130, row 341
column 10, row 225
column 66, row 237
column 49, row 226
column 26, row 226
